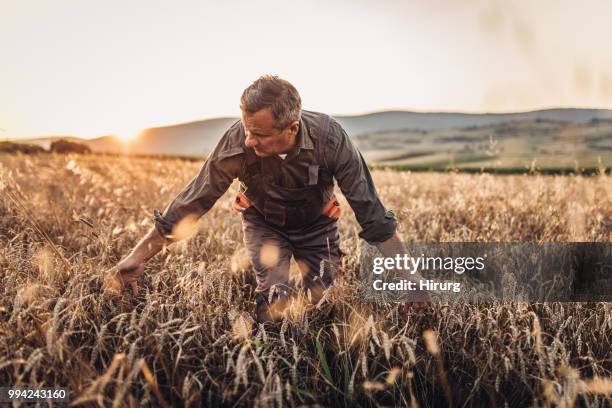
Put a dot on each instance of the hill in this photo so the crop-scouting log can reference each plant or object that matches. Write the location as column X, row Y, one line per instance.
column 553, row 137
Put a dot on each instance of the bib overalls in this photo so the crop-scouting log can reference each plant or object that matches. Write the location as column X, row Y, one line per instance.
column 280, row 222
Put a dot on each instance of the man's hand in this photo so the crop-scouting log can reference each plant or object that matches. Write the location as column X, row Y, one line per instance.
column 415, row 306
column 132, row 266
column 124, row 273
column 392, row 247
column 421, row 302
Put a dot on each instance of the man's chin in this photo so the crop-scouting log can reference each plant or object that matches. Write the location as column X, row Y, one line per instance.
column 260, row 153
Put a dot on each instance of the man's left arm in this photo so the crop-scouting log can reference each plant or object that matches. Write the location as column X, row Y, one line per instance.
column 355, row 181
column 379, row 225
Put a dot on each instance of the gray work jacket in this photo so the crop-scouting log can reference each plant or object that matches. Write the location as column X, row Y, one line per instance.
column 341, row 158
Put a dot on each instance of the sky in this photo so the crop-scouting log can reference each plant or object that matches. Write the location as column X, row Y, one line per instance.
column 91, row 68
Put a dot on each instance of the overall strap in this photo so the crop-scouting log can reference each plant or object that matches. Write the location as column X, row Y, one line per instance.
column 251, row 161
column 322, row 131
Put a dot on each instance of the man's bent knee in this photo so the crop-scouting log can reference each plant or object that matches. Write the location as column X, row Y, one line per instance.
column 271, row 308
column 322, row 279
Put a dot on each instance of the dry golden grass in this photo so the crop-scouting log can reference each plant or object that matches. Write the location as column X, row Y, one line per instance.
column 186, row 339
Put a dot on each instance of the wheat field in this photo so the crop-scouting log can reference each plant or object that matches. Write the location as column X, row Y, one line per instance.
column 188, row 338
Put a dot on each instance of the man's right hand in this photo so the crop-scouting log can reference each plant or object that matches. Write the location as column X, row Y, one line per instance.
column 132, row 266
column 126, row 272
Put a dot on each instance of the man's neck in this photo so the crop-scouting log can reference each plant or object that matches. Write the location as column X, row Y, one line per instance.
column 292, row 144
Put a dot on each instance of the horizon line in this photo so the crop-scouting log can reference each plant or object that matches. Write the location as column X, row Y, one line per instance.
column 349, row 115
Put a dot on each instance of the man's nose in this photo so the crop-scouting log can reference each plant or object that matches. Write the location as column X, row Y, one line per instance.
column 250, row 141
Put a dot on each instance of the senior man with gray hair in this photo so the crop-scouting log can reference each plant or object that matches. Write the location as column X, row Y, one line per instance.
column 286, row 159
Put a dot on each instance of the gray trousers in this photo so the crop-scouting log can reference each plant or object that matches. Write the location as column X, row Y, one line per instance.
column 316, row 249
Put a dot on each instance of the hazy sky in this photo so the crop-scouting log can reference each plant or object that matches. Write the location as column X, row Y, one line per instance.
column 98, row 67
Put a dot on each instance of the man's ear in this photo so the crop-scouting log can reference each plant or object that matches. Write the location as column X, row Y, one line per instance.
column 294, row 126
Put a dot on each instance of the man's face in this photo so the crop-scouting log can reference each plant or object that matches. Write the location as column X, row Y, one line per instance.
column 263, row 137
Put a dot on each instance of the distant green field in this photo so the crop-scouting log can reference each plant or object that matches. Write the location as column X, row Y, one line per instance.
column 514, row 147
column 536, row 146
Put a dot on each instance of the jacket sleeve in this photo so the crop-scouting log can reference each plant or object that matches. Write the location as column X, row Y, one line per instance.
column 201, row 193
column 355, row 181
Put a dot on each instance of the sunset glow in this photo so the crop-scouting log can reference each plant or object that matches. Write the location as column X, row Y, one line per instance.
column 88, row 68
column 127, row 135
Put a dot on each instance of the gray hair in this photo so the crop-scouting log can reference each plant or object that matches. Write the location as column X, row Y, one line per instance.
column 276, row 93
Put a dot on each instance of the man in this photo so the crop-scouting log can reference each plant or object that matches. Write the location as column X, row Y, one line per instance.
column 287, row 160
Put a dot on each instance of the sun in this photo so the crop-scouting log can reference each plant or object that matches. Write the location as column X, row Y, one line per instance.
column 127, row 135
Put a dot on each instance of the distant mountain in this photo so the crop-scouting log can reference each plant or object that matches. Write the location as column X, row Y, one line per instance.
column 200, row 137
column 401, row 120
column 519, row 144
column 188, row 139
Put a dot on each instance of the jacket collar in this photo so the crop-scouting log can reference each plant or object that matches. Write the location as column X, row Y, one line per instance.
column 304, row 140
